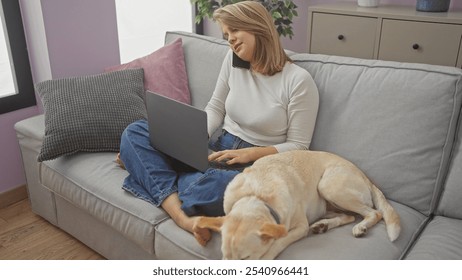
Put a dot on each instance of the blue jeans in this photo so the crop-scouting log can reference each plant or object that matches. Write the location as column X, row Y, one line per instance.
column 153, row 176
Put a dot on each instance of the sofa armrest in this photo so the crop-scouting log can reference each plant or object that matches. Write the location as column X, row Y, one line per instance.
column 30, row 132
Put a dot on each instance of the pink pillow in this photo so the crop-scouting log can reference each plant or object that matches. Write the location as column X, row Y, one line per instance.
column 164, row 71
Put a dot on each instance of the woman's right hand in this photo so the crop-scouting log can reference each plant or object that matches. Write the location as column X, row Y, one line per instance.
column 241, row 156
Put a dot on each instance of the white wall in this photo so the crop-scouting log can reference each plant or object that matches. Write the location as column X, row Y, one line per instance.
column 142, row 27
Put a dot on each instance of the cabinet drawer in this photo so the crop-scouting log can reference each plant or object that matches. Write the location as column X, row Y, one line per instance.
column 343, row 35
column 423, row 42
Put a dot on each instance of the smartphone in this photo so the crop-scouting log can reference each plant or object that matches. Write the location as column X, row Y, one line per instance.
column 240, row 63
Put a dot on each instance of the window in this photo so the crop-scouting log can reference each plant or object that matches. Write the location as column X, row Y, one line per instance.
column 142, row 25
column 16, row 85
column 7, row 82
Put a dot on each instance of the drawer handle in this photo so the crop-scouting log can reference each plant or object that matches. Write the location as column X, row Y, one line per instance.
column 340, row 37
column 415, row 46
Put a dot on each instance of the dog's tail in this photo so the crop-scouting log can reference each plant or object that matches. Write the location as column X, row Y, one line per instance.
column 390, row 216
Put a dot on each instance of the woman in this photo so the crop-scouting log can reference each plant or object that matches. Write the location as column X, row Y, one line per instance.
column 266, row 105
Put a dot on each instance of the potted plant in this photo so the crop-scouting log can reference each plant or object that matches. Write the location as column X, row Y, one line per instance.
column 282, row 12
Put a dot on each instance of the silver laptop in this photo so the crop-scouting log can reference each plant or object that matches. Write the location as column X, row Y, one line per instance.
column 178, row 130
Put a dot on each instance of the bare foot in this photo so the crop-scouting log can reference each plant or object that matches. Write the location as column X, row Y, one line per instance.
column 119, row 161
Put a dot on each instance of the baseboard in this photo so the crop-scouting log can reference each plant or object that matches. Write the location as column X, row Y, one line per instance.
column 12, row 196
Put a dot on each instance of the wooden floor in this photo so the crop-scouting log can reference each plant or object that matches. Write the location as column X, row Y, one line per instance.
column 26, row 236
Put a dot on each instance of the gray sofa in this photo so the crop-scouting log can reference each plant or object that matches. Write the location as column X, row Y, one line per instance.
column 399, row 122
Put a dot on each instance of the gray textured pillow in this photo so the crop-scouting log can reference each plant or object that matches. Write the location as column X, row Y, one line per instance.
column 89, row 113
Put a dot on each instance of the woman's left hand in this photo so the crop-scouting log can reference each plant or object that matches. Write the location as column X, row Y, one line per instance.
column 244, row 155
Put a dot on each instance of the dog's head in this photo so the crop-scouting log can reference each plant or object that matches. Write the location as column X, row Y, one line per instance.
column 245, row 237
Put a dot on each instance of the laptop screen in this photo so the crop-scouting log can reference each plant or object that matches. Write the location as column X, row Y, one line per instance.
column 178, row 130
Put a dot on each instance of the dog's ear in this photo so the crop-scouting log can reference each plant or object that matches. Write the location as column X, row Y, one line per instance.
column 272, row 231
column 213, row 223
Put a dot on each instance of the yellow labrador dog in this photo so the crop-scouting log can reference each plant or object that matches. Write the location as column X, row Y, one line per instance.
column 274, row 202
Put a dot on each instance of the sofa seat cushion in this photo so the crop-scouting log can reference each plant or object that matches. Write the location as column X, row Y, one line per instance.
column 172, row 242
column 439, row 241
column 396, row 121
column 93, row 182
column 339, row 243
column 450, row 203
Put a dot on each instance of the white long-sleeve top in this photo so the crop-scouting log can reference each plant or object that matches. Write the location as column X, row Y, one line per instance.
column 278, row 110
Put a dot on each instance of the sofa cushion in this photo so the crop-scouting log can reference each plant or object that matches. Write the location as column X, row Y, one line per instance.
column 440, row 240
column 164, row 71
column 396, row 121
column 450, row 203
column 89, row 113
column 92, row 181
column 203, row 57
column 172, row 242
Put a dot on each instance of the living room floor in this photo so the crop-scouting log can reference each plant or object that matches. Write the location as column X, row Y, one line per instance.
column 27, row 236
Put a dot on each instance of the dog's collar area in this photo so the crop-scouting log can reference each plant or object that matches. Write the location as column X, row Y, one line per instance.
column 273, row 213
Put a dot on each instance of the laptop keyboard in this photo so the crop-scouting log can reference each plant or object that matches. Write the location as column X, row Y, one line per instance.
column 224, row 165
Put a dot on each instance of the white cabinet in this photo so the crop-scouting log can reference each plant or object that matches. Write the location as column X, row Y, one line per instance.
column 398, row 33
column 343, row 35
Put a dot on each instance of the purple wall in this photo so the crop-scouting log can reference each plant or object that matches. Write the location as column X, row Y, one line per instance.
column 65, row 38
column 81, row 35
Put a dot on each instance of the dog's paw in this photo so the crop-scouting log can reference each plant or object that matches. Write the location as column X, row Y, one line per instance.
column 202, row 235
column 318, row 228
column 359, row 230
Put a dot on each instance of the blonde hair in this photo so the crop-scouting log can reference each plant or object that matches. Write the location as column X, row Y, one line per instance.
column 269, row 56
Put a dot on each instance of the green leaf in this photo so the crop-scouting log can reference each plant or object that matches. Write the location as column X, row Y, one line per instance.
column 277, row 15
column 282, row 11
